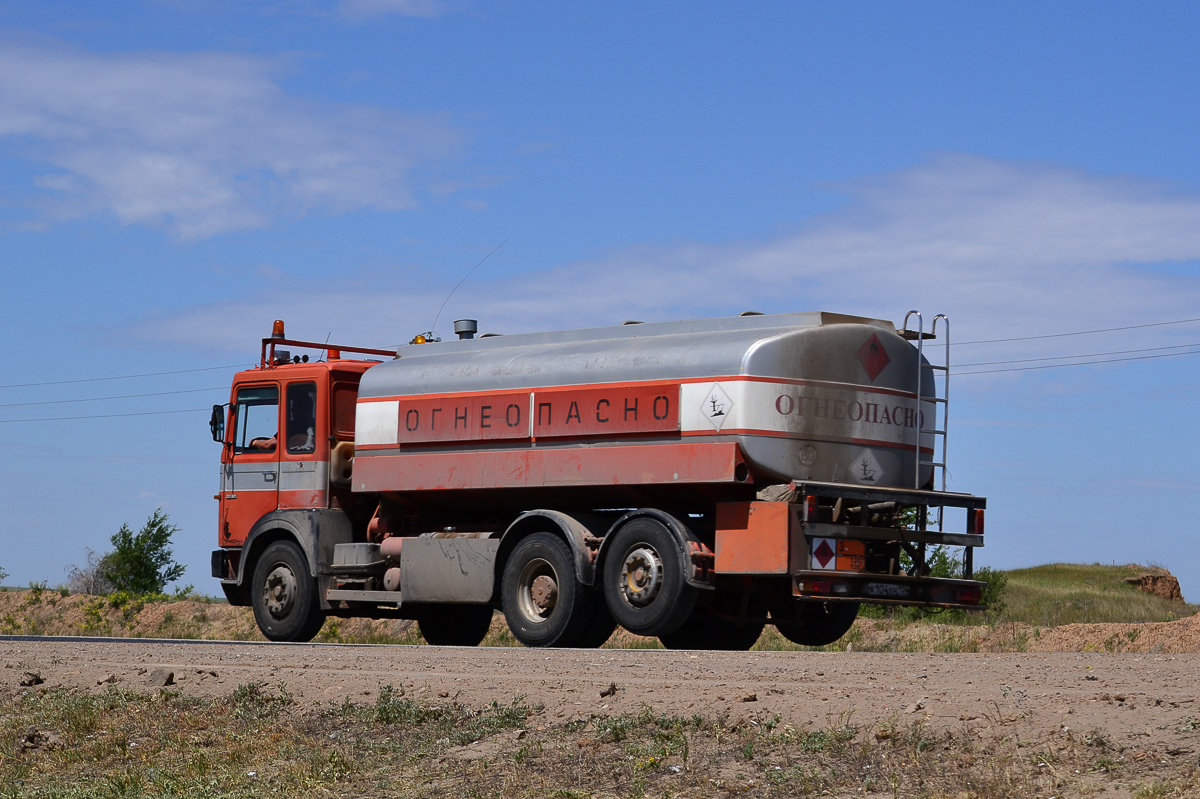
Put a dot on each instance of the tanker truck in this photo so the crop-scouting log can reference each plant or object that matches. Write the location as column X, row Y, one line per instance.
column 692, row 481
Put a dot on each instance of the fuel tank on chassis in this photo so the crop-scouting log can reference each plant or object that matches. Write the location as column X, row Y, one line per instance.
column 805, row 396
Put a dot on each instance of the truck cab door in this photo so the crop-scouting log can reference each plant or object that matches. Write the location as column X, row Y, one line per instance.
column 250, row 467
column 304, row 463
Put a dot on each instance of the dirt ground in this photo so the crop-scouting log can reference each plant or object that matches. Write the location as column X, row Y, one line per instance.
column 1147, row 703
column 1089, row 709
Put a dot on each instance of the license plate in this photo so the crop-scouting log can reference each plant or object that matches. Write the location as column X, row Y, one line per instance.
column 886, row 589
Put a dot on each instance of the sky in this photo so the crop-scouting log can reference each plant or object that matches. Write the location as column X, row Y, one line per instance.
column 174, row 176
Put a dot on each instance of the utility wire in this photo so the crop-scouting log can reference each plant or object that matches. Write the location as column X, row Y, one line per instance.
column 489, row 255
column 1069, row 357
column 125, row 377
column 1076, row 333
column 102, row 416
column 117, row 397
column 1101, row 355
column 1081, row 363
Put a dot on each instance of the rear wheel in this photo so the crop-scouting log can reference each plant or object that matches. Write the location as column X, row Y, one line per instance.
column 722, row 624
column 544, row 604
column 454, row 625
column 600, row 626
column 815, row 623
column 645, row 579
column 284, row 595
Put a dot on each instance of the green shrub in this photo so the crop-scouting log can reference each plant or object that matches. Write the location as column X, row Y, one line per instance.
column 142, row 563
column 993, row 591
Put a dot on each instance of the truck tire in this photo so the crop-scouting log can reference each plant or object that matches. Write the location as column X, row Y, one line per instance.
column 706, row 629
column 284, row 595
column 236, row 595
column 816, row 623
column 600, row 626
column 644, row 579
column 454, row 625
column 544, row 604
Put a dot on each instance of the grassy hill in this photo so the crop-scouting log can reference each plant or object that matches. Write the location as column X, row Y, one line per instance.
column 1072, row 593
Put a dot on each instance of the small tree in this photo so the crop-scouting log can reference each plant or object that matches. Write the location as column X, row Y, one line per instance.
column 89, row 578
column 142, row 563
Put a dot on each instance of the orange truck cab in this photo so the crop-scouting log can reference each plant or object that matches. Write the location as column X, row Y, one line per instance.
column 288, row 444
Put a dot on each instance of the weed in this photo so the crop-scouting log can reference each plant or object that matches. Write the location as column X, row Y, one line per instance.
column 255, row 701
column 34, row 596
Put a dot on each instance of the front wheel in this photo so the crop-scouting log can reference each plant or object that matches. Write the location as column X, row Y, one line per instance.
column 284, row 595
column 645, row 579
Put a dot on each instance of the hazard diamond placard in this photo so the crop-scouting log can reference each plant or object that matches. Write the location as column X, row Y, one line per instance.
column 873, row 357
column 824, row 553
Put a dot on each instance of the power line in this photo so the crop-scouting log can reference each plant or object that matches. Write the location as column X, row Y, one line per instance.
column 1076, row 333
column 1081, row 363
column 102, row 416
column 1088, row 355
column 125, row 377
column 117, row 397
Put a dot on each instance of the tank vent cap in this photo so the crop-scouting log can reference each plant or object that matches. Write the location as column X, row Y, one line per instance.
column 631, row 322
column 466, row 328
column 751, row 313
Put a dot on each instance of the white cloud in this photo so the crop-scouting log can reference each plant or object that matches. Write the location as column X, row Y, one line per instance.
column 1007, row 249
column 200, row 143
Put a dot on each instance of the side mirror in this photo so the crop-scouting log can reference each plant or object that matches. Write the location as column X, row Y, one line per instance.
column 216, row 423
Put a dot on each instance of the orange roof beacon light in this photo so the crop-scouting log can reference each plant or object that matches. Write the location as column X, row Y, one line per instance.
column 277, row 329
column 335, row 355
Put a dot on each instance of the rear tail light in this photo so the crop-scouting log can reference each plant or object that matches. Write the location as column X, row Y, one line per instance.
column 816, row 586
column 810, row 508
column 979, row 521
column 968, row 596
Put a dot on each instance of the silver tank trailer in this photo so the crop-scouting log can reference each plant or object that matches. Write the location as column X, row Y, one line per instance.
column 807, row 396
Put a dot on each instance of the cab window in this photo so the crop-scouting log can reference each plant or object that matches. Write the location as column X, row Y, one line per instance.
column 344, row 397
column 256, row 420
column 301, row 418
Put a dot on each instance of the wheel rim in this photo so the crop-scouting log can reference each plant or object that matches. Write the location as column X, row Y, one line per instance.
column 537, row 590
column 641, row 575
column 279, row 591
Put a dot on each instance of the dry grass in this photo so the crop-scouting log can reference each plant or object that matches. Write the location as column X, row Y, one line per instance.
column 257, row 742
column 1034, row 600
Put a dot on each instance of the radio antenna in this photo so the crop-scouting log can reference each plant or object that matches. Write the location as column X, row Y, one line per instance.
column 459, row 283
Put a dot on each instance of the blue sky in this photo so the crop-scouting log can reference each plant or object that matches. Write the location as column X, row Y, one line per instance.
column 173, row 176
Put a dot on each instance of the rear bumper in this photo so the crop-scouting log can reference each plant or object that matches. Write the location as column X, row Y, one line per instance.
column 884, row 589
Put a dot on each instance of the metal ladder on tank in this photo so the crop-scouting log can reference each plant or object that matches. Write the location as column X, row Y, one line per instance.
column 928, row 393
